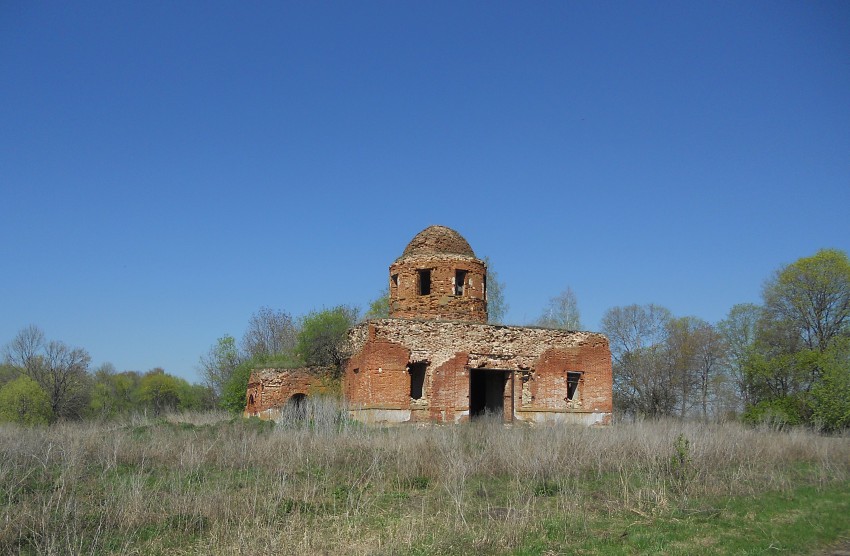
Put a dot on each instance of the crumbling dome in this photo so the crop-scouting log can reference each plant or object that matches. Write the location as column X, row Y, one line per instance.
column 438, row 277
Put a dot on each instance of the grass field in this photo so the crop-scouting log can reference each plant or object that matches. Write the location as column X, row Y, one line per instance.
column 208, row 484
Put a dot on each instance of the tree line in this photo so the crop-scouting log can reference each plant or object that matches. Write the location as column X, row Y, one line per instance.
column 274, row 339
column 43, row 381
column 785, row 361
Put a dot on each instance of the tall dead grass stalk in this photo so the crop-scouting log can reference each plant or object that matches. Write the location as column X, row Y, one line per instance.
column 319, row 483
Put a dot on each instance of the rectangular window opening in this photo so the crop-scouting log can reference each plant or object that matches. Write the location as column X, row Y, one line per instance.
column 417, row 379
column 460, row 281
column 425, row 282
column 573, row 381
column 394, row 280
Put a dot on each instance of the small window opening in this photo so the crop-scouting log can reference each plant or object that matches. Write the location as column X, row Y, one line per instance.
column 460, row 281
column 425, row 282
column 417, row 379
column 394, row 279
column 573, row 379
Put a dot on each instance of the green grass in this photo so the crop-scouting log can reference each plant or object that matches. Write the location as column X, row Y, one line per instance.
column 797, row 522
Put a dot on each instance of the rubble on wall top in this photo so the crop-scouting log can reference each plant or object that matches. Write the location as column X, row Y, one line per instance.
column 438, row 240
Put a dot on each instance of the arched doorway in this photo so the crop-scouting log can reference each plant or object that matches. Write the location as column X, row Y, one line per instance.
column 297, row 405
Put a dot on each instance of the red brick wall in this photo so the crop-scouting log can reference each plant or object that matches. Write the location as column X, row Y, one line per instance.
column 548, row 383
column 273, row 388
column 441, row 303
column 449, row 392
column 378, row 377
column 383, row 349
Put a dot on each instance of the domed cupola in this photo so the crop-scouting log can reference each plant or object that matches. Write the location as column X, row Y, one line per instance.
column 438, row 277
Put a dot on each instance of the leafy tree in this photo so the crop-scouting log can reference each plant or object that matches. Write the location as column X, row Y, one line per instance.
column 218, row 365
column 379, row 308
column 561, row 312
column 197, row 397
column 232, row 396
column 813, row 295
column 323, row 334
column 794, row 369
column 114, row 394
column 60, row 370
column 269, row 332
column 24, row 402
column 830, row 398
column 162, row 392
column 497, row 308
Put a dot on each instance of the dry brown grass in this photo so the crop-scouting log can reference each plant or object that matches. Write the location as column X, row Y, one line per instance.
column 201, row 483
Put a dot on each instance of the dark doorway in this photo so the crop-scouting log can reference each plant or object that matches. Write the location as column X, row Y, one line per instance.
column 487, row 393
column 417, row 379
column 297, row 405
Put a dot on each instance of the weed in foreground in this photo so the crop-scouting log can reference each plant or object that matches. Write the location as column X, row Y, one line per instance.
column 210, row 484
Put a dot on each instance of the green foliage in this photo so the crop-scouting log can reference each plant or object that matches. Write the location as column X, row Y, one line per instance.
column 160, row 391
column 546, row 488
column 681, row 469
column 197, row 397
column 322, row 336
column 233, row 393
column 813, row 296
column 24, row 402
column 8, row 373
column 830, row 399
column 379, row 308
column 796, row 368
column 113, row 394
column 777, row 412
column 120, row 394
column 232, row 396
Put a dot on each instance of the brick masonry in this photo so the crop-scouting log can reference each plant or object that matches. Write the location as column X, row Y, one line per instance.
column 436, row 359
column 456, row 279
column 536, row 361
column 270, row 390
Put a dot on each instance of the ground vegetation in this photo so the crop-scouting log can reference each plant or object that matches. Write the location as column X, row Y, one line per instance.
column 315, row 483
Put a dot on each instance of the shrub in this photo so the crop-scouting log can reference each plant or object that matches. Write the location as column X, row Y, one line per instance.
column 23, row 401
column 779, row 412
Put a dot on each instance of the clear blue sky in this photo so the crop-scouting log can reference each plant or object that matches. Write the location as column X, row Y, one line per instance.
column 167, row 168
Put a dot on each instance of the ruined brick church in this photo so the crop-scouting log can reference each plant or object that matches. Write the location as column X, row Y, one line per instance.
column 436, row 358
